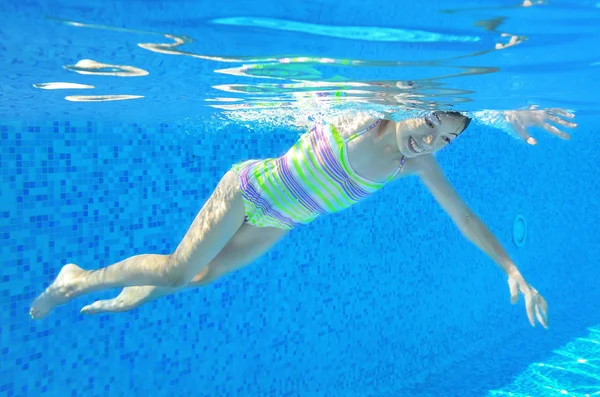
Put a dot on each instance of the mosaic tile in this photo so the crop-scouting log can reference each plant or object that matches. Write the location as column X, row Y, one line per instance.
column 379, row 296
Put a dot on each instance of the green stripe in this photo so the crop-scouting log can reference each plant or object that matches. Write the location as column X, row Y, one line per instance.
column 340, row 192
column 303, row 214
column 311, row 177
column 263, row 184
column 283, row 202
column 369, row 187
column 313, row 190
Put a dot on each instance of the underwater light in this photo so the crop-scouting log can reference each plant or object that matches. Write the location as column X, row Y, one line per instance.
column 519, row 231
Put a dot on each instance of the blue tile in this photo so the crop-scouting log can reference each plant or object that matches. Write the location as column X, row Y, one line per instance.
column 381, row 291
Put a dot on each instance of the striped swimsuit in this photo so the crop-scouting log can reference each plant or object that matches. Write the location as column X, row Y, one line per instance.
column 313, row 178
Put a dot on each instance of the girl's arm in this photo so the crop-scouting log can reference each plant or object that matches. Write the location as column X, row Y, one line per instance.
column 465, row 219
column 427, row 168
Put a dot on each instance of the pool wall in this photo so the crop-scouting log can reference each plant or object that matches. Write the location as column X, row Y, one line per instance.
column 374, row 299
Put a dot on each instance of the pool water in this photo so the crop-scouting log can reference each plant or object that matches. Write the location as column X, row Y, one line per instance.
column 118, row 119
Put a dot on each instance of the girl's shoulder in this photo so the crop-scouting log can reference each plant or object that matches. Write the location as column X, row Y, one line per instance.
column 416, row 165
column 349, row 125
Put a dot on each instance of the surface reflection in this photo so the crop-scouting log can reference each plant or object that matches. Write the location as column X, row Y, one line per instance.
column 62, row 86
column 100, row 98
column 88, row 66
column 309, row 78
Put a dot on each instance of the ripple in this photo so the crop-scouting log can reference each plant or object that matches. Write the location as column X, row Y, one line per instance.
column 295, row 80
column 180, row 40
column 223, row 99
column 88, row 66
column 368, row 33
column 274, row 71
column 524, row 3
column 100, row 98
column 62, row 86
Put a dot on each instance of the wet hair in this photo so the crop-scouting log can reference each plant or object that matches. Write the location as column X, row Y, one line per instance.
column 467, row 120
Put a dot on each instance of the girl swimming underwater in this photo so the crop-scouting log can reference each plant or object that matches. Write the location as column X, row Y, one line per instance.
column 257, row 202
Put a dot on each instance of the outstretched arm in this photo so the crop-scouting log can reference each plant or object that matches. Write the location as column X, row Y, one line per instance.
column 465, row 219
column 479, row 234
column 519, row 122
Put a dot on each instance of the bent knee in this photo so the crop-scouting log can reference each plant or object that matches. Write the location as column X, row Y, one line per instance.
column 176, row 276
column 175, row 280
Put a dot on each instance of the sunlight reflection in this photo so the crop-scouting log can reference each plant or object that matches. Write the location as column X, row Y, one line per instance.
column 573, row 370
column 368, row 33
column 88, row 66
column 305, row 74
column 514, row 40
column 223, row 99
column 100, row 98
column 62, row 86
column 178, row 40
column 525, row 3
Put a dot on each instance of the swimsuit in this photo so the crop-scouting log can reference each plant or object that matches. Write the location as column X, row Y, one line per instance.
column 313, row 178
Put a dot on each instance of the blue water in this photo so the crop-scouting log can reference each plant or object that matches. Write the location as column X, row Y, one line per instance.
column 384, row 299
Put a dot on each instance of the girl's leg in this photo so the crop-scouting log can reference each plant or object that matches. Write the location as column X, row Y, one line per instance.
column 249, row 243
column 218, row 220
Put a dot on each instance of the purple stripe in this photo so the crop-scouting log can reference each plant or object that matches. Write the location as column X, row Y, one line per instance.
column 325, row 158
column 348, row 182
column 296, row 189
column 265, row 207
column 321, row 143
column 279, row 168
column 350, row 187
column 335, row 163
column 328, row 165
column 250, row 193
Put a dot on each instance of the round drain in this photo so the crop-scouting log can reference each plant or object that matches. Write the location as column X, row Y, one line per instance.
column 519, row 231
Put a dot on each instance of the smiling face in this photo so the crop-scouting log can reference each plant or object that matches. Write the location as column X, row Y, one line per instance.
column 430, row 133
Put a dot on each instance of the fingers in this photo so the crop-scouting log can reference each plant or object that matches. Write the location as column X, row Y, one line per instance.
column 514, row 291
column 527, row 291
column 522, row 119
column 541, row 310
column 561, row 112
column 553, row 130
column 529, row 306
column 541, row 316
column 558, row 120
column 536, row 306
column 522, row 132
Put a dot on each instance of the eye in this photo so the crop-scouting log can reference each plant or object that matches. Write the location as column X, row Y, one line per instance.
column 432, row 120
column 446, row 139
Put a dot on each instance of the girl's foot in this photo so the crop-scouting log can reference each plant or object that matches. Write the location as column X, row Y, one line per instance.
column 59, row 292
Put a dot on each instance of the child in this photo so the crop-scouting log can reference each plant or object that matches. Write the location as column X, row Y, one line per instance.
column 258, row 201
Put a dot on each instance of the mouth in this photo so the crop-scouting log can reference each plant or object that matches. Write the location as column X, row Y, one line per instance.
column 412, row 145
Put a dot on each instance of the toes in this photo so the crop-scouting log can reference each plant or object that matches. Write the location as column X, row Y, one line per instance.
column 37, row 314
column 34, row 313
column 37, row 310
column 97, row 307
column 105, row 306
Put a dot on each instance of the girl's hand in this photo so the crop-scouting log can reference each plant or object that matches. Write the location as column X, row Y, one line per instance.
column 534, row 302
column 521, row 120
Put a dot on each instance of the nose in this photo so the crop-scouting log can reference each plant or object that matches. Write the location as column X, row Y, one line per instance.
column 428, row 140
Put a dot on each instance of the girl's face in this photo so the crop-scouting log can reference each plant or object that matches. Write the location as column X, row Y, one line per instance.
column 429, row 134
